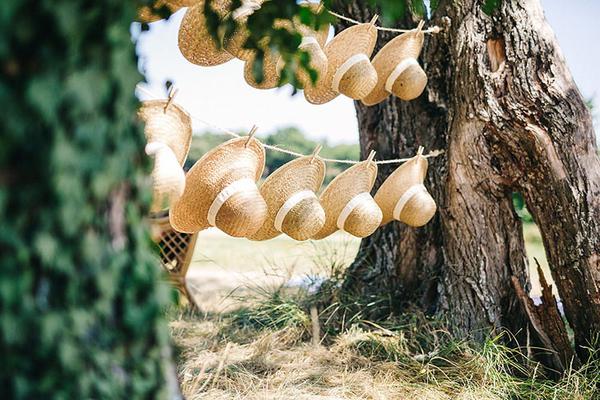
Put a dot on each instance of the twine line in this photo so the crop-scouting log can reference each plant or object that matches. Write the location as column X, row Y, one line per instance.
column 431, row 154
column 433, row 29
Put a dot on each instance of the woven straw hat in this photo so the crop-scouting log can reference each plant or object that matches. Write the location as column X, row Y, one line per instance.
column 168, row 178
column 403, row 196
column 195, row 42
column 270, row 72
column 290, row 195
column 221, row 191
column 349, row 71
column 234, row 44
column 168, row 123
column 148, row 13
column 318, row 61
column 348, row 203
column 398, row 70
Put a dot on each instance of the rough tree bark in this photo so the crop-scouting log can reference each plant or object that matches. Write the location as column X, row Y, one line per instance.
column 503, row 104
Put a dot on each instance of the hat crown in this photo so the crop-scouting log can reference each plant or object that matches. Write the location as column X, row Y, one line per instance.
column 398, row 191
column 294, row 183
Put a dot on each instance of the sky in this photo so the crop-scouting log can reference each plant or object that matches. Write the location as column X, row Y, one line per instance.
column 220, row 96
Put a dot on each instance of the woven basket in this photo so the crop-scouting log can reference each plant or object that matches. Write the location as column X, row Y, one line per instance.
column 176, row 253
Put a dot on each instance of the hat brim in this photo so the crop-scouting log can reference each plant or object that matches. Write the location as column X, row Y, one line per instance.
column 357, row 179
column 410, row 173
column 304, row 173
column 195, row 41
column 172, row 126
column 226, row 163
column 358, row 39
column 407, row 45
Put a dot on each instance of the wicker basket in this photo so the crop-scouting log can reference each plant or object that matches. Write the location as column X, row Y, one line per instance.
column 176, row 252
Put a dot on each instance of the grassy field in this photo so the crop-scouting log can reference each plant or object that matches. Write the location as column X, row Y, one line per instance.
column 256, row 338
column 222, row 264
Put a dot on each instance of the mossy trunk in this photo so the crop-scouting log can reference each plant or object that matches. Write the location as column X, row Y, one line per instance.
column 81, row 302
column 502, row 103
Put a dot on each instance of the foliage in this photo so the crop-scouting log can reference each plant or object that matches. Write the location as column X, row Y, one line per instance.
column 289, row 138
column 80, row 295
column 264, row 33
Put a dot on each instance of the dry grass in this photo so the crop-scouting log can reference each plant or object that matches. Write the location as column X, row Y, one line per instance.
column 263, row 350
column 254, row 339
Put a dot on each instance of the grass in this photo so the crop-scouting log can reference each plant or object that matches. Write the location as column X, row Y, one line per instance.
column 254, row 339
column 264, row 351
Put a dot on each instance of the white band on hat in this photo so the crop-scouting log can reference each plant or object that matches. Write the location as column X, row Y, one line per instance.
column 154, row 147
column 406, row 197
column 400, row 68
column 306, row 40
column 342, row 69
column 291, row 203
column 350, row 206
column 225, row 194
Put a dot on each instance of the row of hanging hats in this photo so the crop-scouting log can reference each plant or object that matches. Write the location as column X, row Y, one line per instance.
column 343, row 65
column 221, row 188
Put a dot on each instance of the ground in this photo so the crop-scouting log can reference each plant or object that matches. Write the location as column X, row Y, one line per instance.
column 255, row 337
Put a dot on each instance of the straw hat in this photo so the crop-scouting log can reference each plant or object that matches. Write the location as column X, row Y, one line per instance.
column 148, row 13
column 221, row 191
column 398, row 69
column 270, row 72
column 234, row 44
column 168, row 123
column 195, row 41
column 290, row 195
column 318, row 61
column 403, row 196
column 349, row 71
column 168, row 178
column 348, row 203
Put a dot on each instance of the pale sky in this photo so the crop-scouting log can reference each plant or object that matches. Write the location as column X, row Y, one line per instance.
column 220, row 95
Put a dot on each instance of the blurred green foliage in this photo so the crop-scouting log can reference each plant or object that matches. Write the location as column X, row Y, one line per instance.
column 81, row 299
column 288, row 138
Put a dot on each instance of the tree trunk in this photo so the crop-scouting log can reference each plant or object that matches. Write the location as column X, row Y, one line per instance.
column 502, row 103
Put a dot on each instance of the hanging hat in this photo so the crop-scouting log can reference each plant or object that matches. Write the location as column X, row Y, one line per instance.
column 270, row 71
column 195, row 41
column 168, row 123
column 349, row 71
column 292, row 203
column 234, row 44
column 398, row 70
column 168, row 178
column 148, row 14
column 403, row 196
column 221, row 191
column 318, row 61
column 348, row 203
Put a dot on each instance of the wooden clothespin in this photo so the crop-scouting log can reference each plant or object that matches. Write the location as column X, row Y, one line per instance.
column 315, row 153
column 172, row 93
column 420, row 150
column 371, row 156
column 373, row 20
column 251, row 135
column 420, row 26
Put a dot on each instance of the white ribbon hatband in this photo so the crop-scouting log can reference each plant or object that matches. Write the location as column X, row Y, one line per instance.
column 289, row 204
column 306, row 40
column 406, row 197
column 350, row 206
column 225, row 194
column 400, row 68
column 345, row 67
